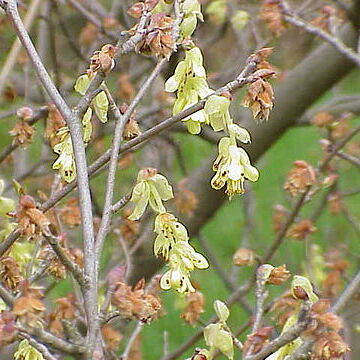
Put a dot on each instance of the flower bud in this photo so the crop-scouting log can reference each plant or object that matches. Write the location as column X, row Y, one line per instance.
column 244, row 257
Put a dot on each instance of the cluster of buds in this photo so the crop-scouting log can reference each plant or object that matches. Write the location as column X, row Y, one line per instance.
column 194, row 307
column 159, row 39
column 300, row 177
column 102, row 60
column 325, row 330
column 172, row 241
column 23, row 131
column 135, row 303
column 271, row 14
column 31, row 220
column 337, row 127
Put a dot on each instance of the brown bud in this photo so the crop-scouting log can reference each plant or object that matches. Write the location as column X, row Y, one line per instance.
column 244, row 257
column 300, row 293
column 24, row 113
column 279, row 275
column 27, row 201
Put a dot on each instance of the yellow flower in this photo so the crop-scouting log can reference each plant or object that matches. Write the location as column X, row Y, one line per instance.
column 65, row 163
column 189, row 80
column 182, row 259
column 178, row 277
column 217, row 109
column 27, row 352
column 232, row 167
column 169, row 231
column 151, row 188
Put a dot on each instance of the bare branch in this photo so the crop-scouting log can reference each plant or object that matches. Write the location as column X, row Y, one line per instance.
column 8, row 298
column 347, row 294
column 121, row 121
column 131, row 340
column 91, row 18
column 121, row 203
column 38, row 346
column 350, row 158
column 337, row 43
column 70, row 265
column 75, row 127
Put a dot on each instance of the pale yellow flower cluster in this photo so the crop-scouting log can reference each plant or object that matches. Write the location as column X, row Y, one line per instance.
column 172, row 240
column 189, row 81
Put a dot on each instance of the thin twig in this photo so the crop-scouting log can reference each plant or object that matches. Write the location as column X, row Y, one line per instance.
column 38, row 346
column 121, row 203
column 70, row 265
column 347, row 294
column 110, row 184
column 91, row 18
column 122, row 49
column 8, row 298
column 288, row 336
column 38, row 114
column 261, row 295
column 281, row 235
column 131, row 340
column 225, row 276
column 350, row 158
column 337, row 43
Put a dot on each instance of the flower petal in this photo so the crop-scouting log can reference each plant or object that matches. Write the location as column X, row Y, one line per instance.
column 162, row 186
column 165, row 281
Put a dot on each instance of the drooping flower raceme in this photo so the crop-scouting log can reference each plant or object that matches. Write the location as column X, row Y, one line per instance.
column 65, row 163
column 189, row 80
column 151, row 188
column 172, row 243
column 232, row 168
